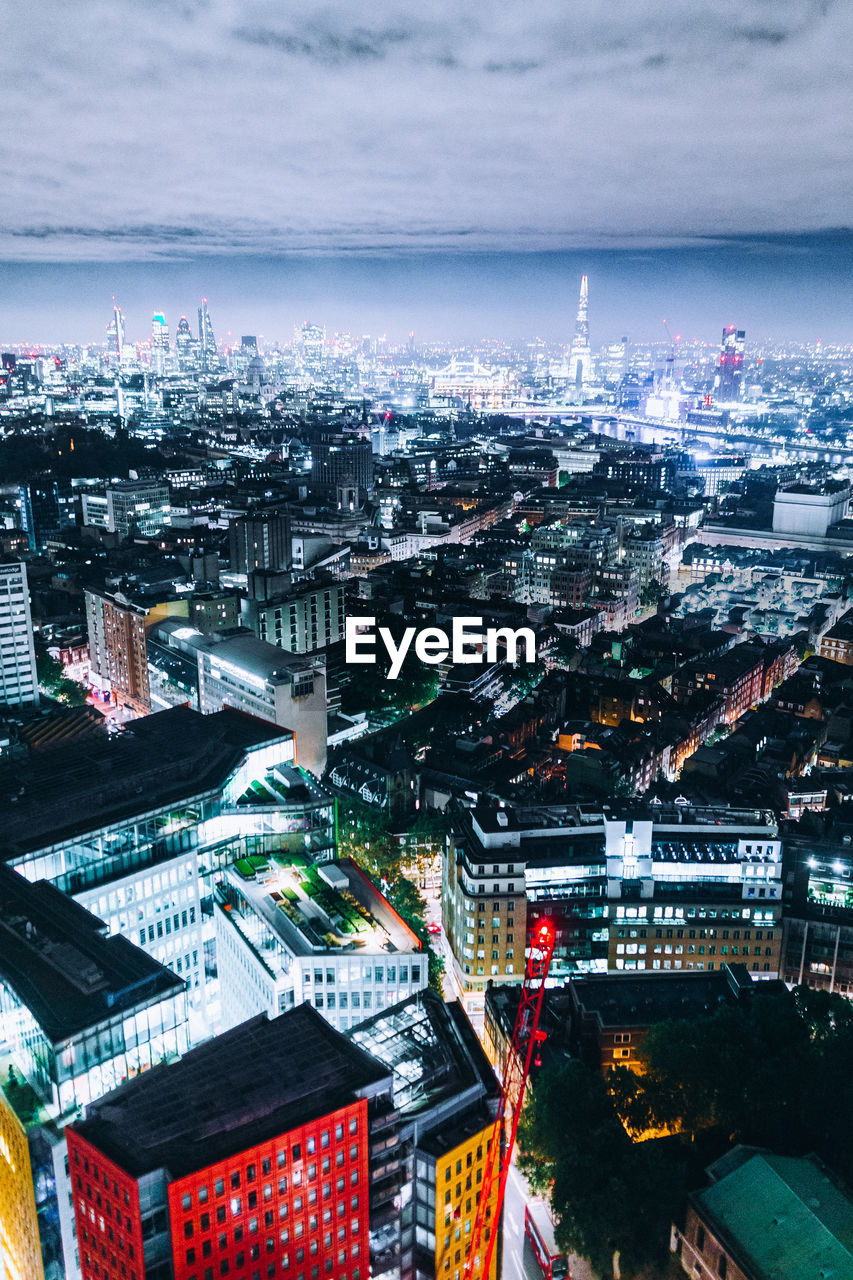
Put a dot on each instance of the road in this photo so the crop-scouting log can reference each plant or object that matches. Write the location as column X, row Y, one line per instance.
column 519, row 1260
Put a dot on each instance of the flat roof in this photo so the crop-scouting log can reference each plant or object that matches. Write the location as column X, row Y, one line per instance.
column 303, row 904
column 59, row 961
column 256, row 657
column 782, row 1216
column 242, row 1088
column 643, row 999
column 156, row 760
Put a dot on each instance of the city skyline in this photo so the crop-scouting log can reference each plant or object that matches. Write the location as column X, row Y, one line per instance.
column 777, row 290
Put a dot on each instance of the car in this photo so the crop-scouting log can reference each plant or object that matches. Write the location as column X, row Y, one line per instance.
column 433, row 928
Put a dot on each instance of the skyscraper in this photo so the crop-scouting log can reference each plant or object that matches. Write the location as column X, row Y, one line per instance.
column 206, row 340
column 45, row 509
column 115, row 334
column 580, row 356
column 185, row 344
column 18, row 680
column 731, row 363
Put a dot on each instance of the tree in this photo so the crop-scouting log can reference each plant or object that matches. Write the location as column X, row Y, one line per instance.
column 613, row 1199
column 651, row 592
column 53, row 682
column 364, row 834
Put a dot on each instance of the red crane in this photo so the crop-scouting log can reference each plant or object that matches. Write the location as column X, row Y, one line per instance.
column 525, row 1037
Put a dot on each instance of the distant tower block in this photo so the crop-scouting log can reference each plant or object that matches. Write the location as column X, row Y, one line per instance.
column 580, row 356
column 731, row 363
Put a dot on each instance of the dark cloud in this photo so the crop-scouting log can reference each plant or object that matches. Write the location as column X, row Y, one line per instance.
column 142, row 127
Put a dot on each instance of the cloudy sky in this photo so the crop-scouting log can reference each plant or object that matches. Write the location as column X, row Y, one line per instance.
column 179, row 131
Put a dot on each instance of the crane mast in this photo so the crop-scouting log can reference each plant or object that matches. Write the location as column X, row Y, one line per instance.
column 525, row 1037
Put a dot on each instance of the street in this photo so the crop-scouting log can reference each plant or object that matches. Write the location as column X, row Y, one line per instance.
column 519, row 1260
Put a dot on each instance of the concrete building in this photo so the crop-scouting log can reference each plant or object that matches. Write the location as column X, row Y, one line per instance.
column 238, row 670
column 289, row 932
column 118, row 659
column 810, row 510
column 341, row 460
column 18, row 679
column 661, row 889
column 260, row 541
column 304, row 618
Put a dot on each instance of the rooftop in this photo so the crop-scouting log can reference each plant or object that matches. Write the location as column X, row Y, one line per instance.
column 154, row 761
column 237, row 646
column 57, row 958
column 330, row 907
column 782, row 1216
column 245, row 1087
column 642, row 1000
column 430, row 1048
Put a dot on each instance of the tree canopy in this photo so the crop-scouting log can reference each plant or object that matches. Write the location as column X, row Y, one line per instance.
column 774, row 1070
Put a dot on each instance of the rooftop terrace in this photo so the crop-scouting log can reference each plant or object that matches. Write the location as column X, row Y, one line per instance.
column 314, row 909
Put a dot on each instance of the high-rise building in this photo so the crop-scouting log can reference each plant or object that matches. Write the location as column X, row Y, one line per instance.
column 310, row 341
column 616, row 362
column 307, row 617
column 730, row 375
column 115, row 335
column 186, row 346
column 206, row 340
column 238, row 670
column 580, row 356
column 159, row 332
column 45, row 510
column 117, row 649
column 20, row 1255
column 254, row 1149
column 137, row 827
column 137, row 504
column 18, row 679
column 341, row 460
column 159, row 341
column 260, row 541
column 81, row 1010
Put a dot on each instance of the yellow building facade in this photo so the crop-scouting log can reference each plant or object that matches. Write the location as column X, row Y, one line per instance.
column 20, row 1251
column 460, row 1160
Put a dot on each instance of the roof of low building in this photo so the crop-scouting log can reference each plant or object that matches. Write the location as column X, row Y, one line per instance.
column 780, row 1216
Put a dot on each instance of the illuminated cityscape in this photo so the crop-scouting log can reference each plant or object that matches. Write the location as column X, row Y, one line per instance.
column 426, row 643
